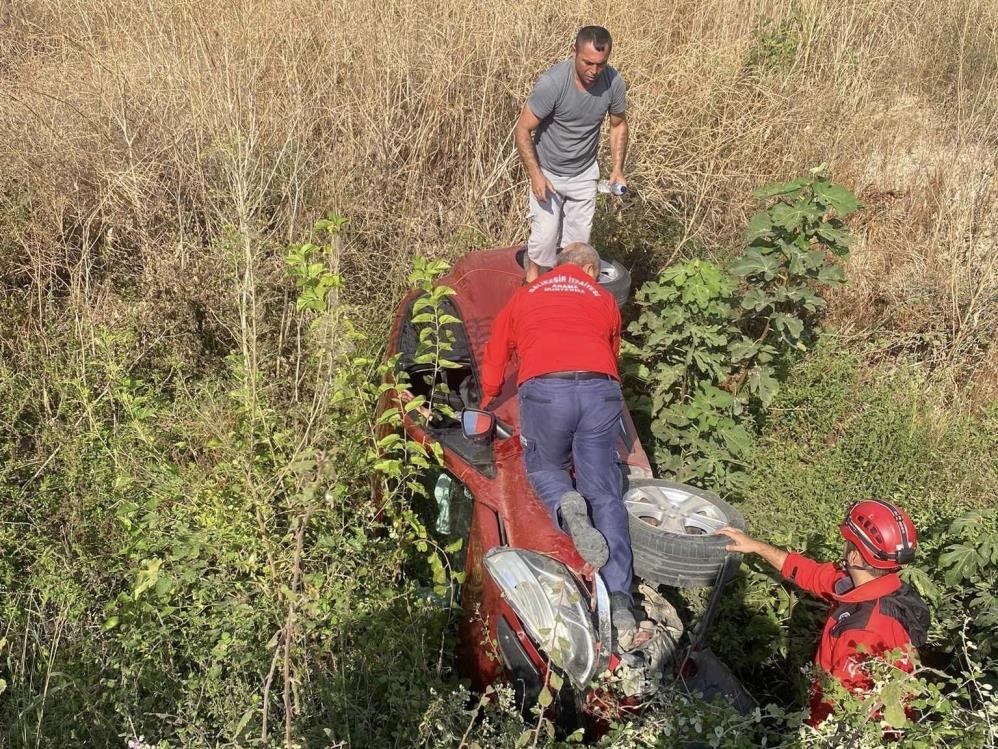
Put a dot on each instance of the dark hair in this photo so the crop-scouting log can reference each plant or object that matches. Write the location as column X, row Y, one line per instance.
column 595, row 35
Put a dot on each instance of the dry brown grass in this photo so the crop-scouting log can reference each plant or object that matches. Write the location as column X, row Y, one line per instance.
column 132, row 133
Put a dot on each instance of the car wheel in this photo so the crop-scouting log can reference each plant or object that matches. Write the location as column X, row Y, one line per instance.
column 616, row 279
column 674, row 535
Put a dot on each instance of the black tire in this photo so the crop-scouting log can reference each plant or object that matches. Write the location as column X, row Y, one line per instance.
column 616, row 279
column 682, row 560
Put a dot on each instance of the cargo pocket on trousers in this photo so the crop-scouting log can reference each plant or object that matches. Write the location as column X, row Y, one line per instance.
column 530, row 458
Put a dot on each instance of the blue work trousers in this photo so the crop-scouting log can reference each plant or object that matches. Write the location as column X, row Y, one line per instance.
column 575, row 422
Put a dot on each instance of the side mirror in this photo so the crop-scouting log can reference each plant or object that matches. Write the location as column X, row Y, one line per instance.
column 478, row 426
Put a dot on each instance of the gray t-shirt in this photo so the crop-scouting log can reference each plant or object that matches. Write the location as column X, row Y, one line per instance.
column 568, row 137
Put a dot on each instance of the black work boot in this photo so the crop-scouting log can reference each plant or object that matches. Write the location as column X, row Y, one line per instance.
column 589, row 542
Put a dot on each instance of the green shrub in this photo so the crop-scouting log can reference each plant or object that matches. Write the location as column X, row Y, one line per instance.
column 708, row 354
column 199, row 561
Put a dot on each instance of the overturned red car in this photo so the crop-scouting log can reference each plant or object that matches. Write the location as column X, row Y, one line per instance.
column 529, row 602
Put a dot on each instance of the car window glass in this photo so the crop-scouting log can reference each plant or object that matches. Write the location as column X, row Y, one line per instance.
column 454, row 386
column 454, row 503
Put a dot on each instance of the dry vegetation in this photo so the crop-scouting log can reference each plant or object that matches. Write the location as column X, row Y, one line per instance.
column 134, row 132
column 157, row 157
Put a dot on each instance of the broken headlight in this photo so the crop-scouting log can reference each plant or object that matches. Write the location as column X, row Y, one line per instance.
column 553, row 610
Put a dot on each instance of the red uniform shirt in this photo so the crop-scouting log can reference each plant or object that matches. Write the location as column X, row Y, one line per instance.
column 881, row 615
column 562, row 322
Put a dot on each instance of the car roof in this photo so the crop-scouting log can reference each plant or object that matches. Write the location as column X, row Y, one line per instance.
column 483, row 282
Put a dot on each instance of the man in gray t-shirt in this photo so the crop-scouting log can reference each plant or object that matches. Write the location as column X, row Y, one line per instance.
column 557, row 138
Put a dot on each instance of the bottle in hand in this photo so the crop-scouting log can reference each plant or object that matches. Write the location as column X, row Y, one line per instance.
column 611, row 188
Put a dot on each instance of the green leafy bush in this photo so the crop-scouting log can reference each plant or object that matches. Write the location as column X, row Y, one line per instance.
column 199, row 561
column 708, row 353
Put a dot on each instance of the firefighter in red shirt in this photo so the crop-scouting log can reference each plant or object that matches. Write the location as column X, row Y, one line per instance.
column 565, row 330
column 873, row 612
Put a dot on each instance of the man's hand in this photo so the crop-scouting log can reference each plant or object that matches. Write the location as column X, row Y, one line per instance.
column 617, row 177
column 406, row 396
column 541, row 186
column 741, row 541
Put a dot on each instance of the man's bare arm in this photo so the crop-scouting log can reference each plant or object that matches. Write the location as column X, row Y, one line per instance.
column 618, row 147
column 746, row 545
column 540, row 186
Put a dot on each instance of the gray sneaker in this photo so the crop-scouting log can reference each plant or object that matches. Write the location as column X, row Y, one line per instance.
column 622, row 617
column 589, row 542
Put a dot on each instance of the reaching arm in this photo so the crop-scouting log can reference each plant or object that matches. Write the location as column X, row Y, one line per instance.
column 540, row 186
column 497, row 352
column 805, row 573
column 743, row 543
column 618, row 147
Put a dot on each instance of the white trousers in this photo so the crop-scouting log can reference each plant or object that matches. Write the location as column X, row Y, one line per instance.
column 566, row 217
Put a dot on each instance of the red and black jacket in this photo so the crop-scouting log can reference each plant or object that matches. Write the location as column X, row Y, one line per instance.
column 866, row 621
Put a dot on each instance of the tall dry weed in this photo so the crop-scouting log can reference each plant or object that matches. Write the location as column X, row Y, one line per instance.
column 134, row 133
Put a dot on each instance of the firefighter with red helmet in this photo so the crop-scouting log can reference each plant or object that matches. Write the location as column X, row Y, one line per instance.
column 872, row 612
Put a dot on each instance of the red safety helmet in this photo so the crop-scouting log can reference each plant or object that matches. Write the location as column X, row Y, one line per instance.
column 881, row 532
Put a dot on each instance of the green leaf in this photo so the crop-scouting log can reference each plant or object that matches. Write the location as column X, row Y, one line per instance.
column 960, row 562
column 755, row 299
column 966, row 523
column 839, row 237
column 243, row 721
column 759, row 225
column 835, row 196
column 736, row 439
column 796, row 264
column 763, row 385
column 812, row 302
column 924, row 584
column 544, row 699
column 814, row 259
column 891, row 695
column 790, row 325
column 754, row 262
column 793, row 217
column 782, row 188
column 988, row 548
column 389, row 440
column 743, row 349
column 831, row 274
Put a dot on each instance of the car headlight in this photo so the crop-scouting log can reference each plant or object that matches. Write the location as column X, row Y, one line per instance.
column 553, row 610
